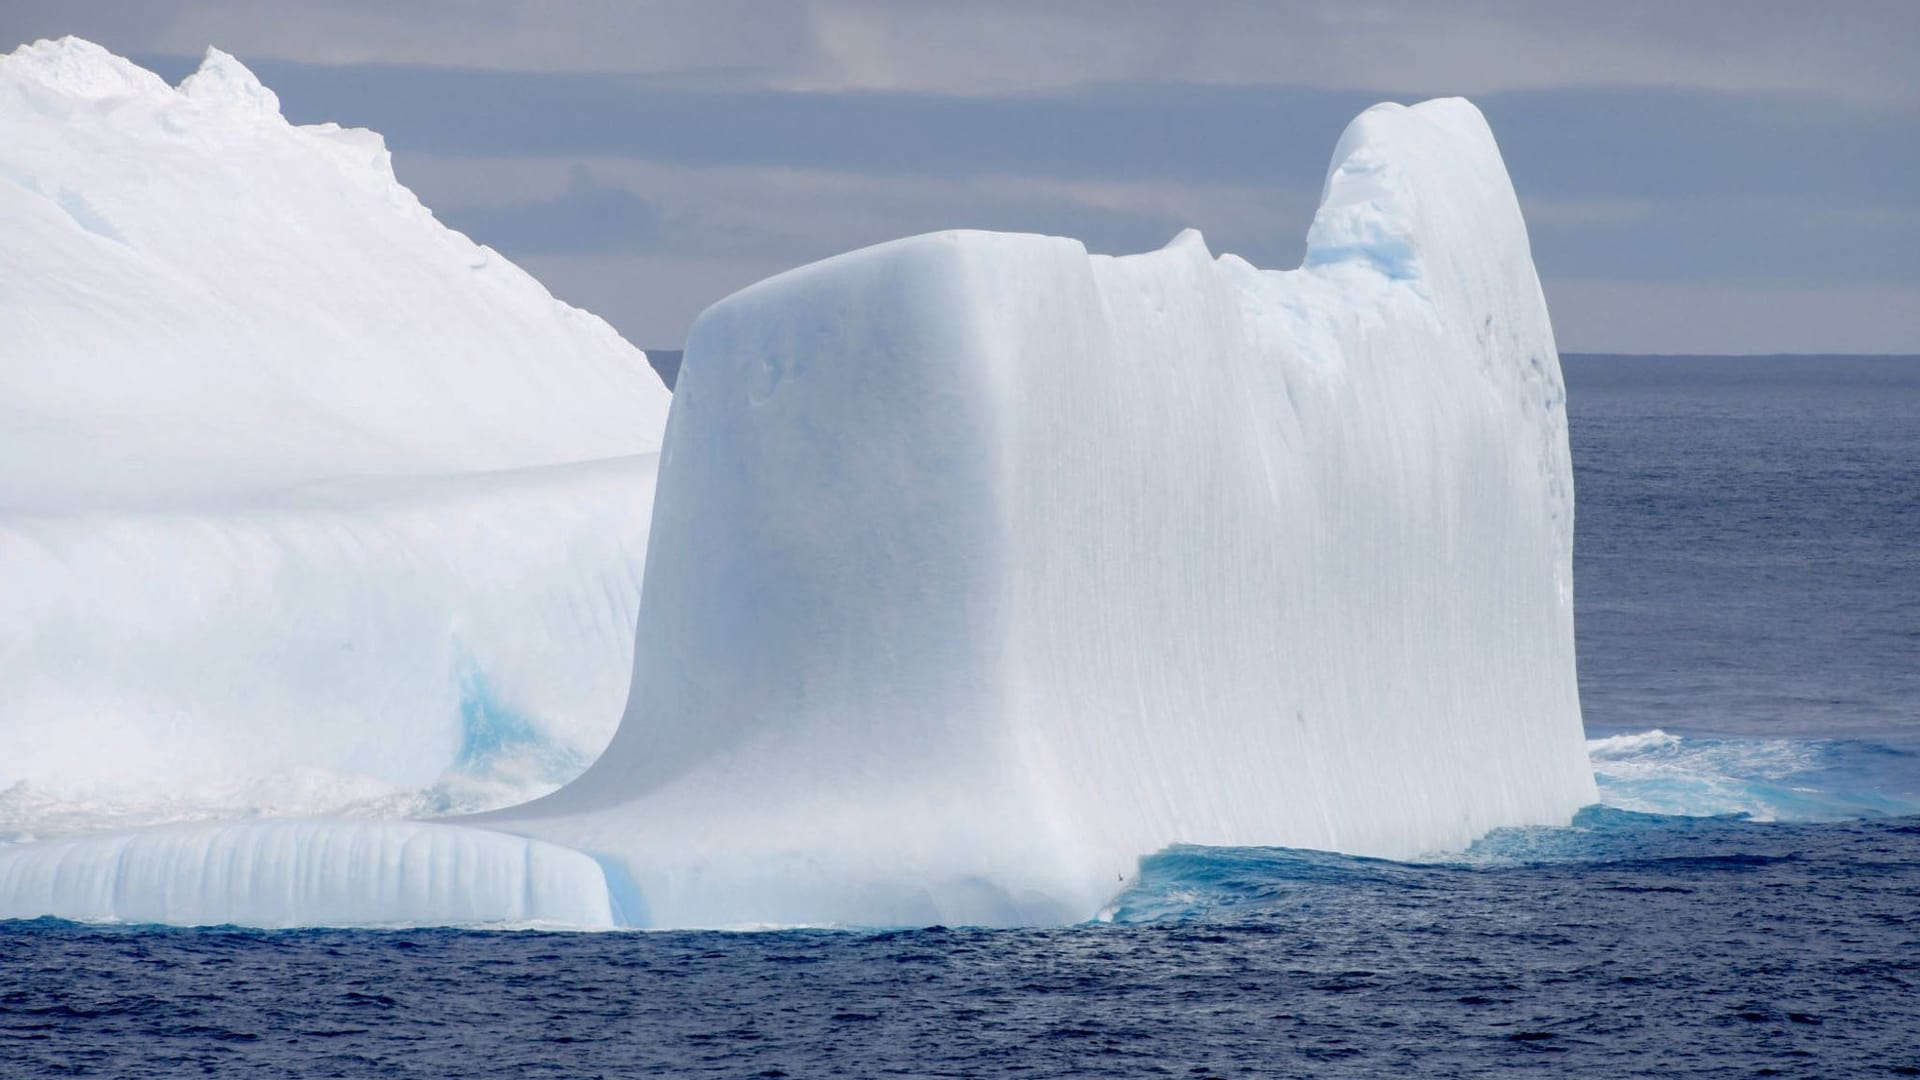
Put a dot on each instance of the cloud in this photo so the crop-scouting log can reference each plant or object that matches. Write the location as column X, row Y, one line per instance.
column 651, row 299
column 586, row 218
column 1595, row 143
column 1630, row 143
column 1860, row 50
column 1630, row 185
column 1856, row 49
column 1592, row 315
column 802, row 215
column 1749, row 147
column 1734, row 242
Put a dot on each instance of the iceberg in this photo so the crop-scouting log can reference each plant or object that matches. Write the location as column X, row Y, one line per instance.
column 309, row 503
column 981, row 567
column 202, row 298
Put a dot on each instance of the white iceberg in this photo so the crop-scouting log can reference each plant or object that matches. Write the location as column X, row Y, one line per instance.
column 307, row 502
column 981, row 566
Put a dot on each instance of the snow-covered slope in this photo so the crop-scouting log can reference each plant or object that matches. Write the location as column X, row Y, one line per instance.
column 981, row 567
column 306, row 501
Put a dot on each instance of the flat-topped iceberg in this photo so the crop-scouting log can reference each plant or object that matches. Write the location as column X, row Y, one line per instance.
column 981, row 566
column 306, row 501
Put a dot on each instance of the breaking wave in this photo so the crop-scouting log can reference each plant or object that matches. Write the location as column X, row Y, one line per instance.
column 1765, row 779
column 1671, row 807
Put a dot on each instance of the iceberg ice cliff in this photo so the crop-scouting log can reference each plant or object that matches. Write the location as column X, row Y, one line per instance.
column 981, row 566
column 306, row 501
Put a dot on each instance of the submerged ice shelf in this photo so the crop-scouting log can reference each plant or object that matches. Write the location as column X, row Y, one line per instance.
column 308, row 873
column 981, row 567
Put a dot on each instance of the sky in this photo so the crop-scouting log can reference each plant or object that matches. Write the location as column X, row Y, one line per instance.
column 1713, row 176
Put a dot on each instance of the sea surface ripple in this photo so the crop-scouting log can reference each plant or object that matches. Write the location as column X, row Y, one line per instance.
column 1630, row 945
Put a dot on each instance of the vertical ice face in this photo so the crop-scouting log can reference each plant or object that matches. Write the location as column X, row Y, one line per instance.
column 305, row 499
column 981, row 566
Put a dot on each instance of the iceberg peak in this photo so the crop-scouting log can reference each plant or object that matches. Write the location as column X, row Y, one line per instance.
column 1189, row 239
column 223, row 81
column 75, row 67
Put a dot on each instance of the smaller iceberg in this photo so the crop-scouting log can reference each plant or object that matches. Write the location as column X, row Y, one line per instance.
column 303, row 495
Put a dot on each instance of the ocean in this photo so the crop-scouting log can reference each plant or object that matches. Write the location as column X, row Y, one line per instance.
column 1745, row 901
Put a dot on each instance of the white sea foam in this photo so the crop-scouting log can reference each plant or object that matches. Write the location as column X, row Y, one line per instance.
column 1766, row 779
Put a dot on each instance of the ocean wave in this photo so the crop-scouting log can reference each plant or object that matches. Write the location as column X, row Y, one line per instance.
column 1765, row 779
column 1672, row 807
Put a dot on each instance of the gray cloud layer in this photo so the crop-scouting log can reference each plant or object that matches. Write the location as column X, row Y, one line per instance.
column 1859, row 49
column 645, row 158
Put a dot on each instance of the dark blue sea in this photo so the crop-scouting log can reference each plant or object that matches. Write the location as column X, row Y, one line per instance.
column 1745, row 903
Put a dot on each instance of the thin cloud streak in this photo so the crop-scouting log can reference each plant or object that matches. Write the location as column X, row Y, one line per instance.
column 1605, row 143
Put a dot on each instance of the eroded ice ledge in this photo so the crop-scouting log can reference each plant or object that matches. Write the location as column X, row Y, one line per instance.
column 307, row 873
